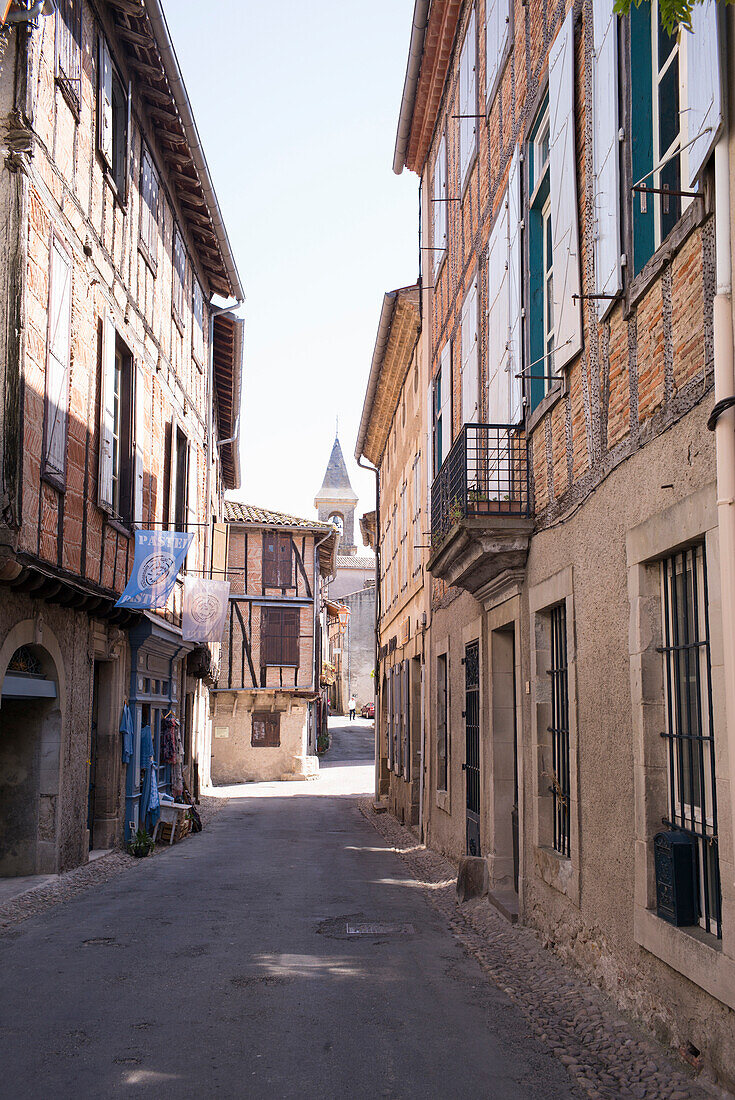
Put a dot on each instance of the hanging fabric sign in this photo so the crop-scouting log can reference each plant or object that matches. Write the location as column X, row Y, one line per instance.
column 205, row 609
column 158, row 557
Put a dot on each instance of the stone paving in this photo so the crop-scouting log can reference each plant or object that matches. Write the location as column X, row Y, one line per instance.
column 63, row 887
column 607, row 1056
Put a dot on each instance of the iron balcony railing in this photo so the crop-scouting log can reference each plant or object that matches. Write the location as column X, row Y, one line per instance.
column 484, row 474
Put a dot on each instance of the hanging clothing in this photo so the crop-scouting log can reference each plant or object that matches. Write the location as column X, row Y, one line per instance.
column 177, row 778
column 169, row 729
column 126, row 729
column 150, row 802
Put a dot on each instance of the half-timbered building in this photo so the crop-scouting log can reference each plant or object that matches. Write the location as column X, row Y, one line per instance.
column 265, row 712
column 576, row 315
column 120, row 390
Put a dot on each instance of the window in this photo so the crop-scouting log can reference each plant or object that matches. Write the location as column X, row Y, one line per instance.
column 417, row 540
column 554, row 313
column 279, row 636
column 180, row 480
column 266, row 730
column 467, row 101
column 338, row 522
column 394, row 554
column 439, row 207
column 57, row 364
column 404, row 535
column 442, row 725
column 179, row 282
column 497, row 42
column 116, row 473
column 69, row 50
column 277, row 567
column 197, row 309
column 113, row 120
column 149, row 188
column 442, row 409
column 560, row 778
column 692, row 800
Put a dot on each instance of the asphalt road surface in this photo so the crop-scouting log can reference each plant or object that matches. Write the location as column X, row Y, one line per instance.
column 282, row 952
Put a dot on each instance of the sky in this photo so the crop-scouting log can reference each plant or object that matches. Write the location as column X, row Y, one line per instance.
column 297, row 107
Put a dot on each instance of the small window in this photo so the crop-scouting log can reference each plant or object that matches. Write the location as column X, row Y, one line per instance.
column 197, row 310
column 149, row 189
column 113, row 117
column 69, row 50
column 266, row 730
column 541, row 373
column 442, row 723
column 279, row 636
column 179, row 281
column 277, row 562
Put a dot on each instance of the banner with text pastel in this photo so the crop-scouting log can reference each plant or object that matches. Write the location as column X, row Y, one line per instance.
column 158, row 558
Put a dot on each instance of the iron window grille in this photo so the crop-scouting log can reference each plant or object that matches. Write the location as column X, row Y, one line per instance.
column 689, row 725
column 559, row 729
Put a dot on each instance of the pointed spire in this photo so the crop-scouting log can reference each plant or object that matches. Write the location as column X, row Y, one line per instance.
column 336, row 484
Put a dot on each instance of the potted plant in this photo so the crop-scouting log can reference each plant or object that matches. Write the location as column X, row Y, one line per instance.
column 142, row 844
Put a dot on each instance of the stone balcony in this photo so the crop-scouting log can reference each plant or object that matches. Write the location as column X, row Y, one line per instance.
column 481, row 513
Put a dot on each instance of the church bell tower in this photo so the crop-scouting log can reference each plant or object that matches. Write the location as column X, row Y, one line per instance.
column 336, row 501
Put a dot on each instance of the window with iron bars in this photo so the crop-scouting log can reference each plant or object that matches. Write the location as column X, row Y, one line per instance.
column 689, row 725
column 559, row 729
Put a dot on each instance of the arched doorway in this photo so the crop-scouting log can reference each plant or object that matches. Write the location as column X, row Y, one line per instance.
column 30, row 748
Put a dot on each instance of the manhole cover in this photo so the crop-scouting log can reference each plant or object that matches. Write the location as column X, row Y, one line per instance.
column 376, row 928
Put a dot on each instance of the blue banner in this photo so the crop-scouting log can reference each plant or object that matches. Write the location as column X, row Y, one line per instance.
column 158, row 557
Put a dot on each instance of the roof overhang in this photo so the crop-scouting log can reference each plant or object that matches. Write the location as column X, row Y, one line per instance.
column 398, row 333
column 432, row 41
column 227, row 345
column 142, row 26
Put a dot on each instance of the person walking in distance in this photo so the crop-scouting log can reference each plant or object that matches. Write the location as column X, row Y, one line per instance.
column 352, row 707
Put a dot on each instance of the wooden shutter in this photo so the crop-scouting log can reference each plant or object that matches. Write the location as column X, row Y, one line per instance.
column 469, row 371
column 497, row 34
column 290, row 636
column 406, row 718
column 497, row 319
column 107, row 413
column 429, row 445
column 563, row 185
column 439, row 211
column 446, row 400
column 270, row 559
column 104, row 103
column 284, row 561
column 57, row 362
column 515, row 290
column 702, row 107
column 605, row 153
column 266, row 730
column 172, row 472
column 141, row 441
column 192, row 489
column 127, row 152
column 389, row 731
column 270, row 634
column 467, row 99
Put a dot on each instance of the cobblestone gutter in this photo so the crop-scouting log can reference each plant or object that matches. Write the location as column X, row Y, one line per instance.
column 75, row 882
column 607, row 1056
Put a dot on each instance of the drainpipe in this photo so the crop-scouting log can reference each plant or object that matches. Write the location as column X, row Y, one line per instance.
column 724, row 428
column 377, row 694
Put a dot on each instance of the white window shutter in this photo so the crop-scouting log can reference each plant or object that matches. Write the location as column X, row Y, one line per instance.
column 497, row 318
column 469, row 372
column 192, row 490
column 563, row 185
column 140, row 443
column 703, row 111
column 57, row 363
column 429, row 444
column 515, row 291
column 446, row 398
column 467, row 98
column 439, row 212
column 605, row 153
column 497, row 32
column 104, row 105
column 107, row 417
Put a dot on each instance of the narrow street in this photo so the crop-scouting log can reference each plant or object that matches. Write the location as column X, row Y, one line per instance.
column 226, row 967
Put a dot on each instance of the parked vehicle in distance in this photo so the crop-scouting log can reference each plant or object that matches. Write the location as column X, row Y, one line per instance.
column 368, row 711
